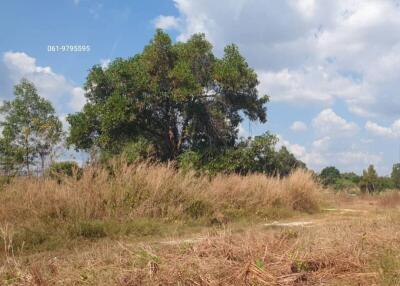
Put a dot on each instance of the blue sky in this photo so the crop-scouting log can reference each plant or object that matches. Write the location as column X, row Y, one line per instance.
column 331, row 68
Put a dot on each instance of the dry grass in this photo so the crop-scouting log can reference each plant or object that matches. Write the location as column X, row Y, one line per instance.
column 390, row 199
column 359, row 251
column 143, row 199
column 153, row 191
column 338, row 248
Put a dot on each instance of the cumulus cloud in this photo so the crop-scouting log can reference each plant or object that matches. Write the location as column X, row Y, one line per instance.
column 298, row 126
column 308, row 51
column 389, row 132
column 65, row 96
column 328, row 122
column 314, row 53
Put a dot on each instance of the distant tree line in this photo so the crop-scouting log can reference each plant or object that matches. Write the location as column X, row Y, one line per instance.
column 368, row 182
column 171, row 102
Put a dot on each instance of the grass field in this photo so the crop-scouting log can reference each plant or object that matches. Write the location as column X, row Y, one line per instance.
column 152, row 225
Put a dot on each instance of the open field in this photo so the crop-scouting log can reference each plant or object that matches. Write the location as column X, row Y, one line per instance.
column 151, row 225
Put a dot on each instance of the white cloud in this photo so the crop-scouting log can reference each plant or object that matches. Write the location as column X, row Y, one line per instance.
column 354, row 157
column 166, row 22
column 298, row 126
column 328, row 122
column 308, row 51
column 297, row 150
column 322, row 143
column 55, row 87
column 78, row 99
column 389, row 132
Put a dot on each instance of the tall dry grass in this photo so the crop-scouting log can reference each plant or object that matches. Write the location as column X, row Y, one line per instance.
column 136, row 199
column 159, row 191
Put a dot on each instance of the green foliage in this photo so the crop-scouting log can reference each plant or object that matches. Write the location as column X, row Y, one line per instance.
column 190, row 160
column 329, row 175
column 386, row 183
column 11, row 156
column 138, row 150
column 352, row 177
column 344, row 184
column 30, row 128
column 370, row 181
column 252, row 155
column 177, row 97
column 287, row 162
column 65, row 168
column 395, row 176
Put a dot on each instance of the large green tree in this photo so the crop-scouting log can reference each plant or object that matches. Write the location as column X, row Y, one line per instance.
column 177, row 96
column 30, row 127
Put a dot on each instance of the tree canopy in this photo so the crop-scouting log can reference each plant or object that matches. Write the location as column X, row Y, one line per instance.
column 329, row 175
column 30, row 129
column 370, row 181
column 178, row 96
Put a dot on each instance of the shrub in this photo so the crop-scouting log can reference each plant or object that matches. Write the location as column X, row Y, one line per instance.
column 329, row 175
column 64, row 169
column 252, row 155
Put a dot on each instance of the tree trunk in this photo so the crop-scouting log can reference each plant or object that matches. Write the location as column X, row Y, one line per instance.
column 42, row 157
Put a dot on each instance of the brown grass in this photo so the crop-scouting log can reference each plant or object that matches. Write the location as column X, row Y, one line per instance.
column 153, row 191
column 390, row 199
column 141, row 199
column 338, row 248
column 360, row 251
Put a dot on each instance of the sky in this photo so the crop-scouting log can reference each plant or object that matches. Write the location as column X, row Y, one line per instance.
column 331, row 68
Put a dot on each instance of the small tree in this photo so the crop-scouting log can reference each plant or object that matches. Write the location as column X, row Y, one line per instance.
column 329, row 175
column 396, row 175
column 370, row 181
column 30, row 126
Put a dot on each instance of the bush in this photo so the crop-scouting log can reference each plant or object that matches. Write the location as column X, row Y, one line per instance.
column 253, row 155
column 344, row 184
column 64, row 169
column 190, row 160
column 329, row 175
